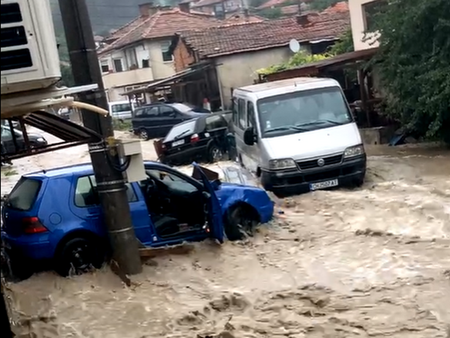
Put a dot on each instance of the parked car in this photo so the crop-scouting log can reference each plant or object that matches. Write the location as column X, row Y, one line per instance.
column 202, row 138
column 15, row 124
column 156, row 119
column 121, row 110
column 298, row 135
column 8, row 147
column 54, row 215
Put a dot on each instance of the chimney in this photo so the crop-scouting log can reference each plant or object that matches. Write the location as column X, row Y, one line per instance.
column 302, row 19
column 147, row 9
column 185, row 6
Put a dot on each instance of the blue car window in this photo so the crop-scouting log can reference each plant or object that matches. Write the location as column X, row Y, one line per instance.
column 86, row 195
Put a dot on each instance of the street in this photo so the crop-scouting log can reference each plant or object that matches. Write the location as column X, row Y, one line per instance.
column 370, row 262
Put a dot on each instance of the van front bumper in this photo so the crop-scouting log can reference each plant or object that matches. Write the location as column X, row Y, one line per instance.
column 349, row 172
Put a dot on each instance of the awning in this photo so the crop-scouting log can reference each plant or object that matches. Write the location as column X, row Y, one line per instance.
column 63, row 129
column 152, row 87
column 70, row 133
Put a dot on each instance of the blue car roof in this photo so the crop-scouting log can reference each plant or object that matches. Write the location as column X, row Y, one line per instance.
column 78, row 169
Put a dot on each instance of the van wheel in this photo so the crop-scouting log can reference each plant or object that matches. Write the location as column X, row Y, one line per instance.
column 79, row 255
column 143, row 134
column 240, row 222
column 215, row 154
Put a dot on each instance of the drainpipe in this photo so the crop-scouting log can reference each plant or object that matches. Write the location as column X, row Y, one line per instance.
column 219, row 83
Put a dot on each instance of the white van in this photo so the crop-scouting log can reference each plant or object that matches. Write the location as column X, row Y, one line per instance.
column 121, row 110
column 298, row 135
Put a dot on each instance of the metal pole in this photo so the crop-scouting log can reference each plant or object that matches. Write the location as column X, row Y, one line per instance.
column 104, row 157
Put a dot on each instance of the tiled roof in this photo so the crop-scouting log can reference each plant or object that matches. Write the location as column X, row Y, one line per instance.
column 239, row 38
column 164, row 23
column 125, row 29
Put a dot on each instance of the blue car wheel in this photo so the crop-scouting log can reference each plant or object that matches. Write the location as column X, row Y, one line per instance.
column 79, row 255
column 240, row 221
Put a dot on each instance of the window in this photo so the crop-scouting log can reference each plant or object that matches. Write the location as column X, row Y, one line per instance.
column 151, row 111
column 250, row 114
column 186, row 128
column 172, row 180
column 145, row 63
column 165, row 50
column 215, row 122
column 165, row 111
column 242, row 119
column 86, row 192
column 370, row 12
column 6, row 133
column 234, row 108
column 104, row 66
column 139, row 112
column 118, row 67
column 24, row 194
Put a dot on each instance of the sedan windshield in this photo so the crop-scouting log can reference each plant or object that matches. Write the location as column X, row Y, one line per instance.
column 303, row 111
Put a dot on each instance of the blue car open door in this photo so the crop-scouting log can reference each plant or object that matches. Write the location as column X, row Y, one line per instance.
column 214, row 209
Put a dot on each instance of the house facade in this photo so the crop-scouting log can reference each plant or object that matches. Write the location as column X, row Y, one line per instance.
column 260, row 44
column 138, row 53
column 361, row 12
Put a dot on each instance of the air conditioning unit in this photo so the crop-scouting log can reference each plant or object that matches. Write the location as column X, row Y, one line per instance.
column 29, row 50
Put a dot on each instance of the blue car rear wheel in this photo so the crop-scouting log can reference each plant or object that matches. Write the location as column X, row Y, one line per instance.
column 79, row 255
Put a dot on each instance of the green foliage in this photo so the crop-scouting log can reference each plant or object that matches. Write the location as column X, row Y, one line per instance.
column 298, row 59
column 414, row 64
column 320, row 5
column 344, row 45
column 124, row 126
column 271, row 13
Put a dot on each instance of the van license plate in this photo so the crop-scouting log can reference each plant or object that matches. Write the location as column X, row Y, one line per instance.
column 323, row 185
column 177, row 143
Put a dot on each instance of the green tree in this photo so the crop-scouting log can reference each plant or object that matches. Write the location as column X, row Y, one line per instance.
column 414, row 64
column 344, row 45
column 271, row 13
column 320, row 5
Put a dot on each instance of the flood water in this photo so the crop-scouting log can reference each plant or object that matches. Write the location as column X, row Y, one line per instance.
column 371, row 262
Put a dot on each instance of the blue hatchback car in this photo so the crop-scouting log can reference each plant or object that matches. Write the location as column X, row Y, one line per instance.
column 54, row 215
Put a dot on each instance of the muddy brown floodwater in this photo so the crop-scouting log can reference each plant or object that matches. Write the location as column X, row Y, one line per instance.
column 371, row 262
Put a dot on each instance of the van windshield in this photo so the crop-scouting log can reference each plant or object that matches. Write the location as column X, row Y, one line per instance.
column 120, row 107
column 302, row 111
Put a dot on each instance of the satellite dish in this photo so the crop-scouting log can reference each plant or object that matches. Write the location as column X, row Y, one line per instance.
column 294, row 46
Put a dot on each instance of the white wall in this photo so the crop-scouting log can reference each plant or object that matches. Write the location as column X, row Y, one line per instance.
column 358, row 25
column 149, row 50
column 161, row 68
column 240, row 69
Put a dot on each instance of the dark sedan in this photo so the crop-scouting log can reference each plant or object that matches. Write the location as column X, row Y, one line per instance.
column 201, row 138
column 8, row 146
column 156, row 119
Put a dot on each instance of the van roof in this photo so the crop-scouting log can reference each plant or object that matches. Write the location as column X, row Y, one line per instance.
column 296, row 84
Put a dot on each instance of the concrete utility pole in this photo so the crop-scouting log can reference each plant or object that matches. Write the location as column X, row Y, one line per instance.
column 105, row 161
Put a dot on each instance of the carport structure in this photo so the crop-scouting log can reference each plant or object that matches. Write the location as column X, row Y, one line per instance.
column 31, row 110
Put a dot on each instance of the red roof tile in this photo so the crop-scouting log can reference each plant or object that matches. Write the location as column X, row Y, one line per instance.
column 164, row 23
column 238, row 38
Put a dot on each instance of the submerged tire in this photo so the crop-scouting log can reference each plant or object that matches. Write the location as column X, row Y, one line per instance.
column 143, row 134
column 215, row 154
column 79, row 255
column 240, row 222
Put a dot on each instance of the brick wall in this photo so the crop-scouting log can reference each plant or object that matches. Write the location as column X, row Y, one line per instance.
column 182, row 57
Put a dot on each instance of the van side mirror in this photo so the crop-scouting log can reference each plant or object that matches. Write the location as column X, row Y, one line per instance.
column 249, row 136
